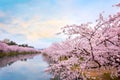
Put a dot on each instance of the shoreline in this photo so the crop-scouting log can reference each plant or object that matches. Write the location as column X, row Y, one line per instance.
column 9, row 54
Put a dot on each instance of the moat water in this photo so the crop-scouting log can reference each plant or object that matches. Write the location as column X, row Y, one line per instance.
column 24, row 67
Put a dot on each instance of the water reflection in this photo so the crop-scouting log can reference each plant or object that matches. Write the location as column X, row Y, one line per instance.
column 27, row 67
column 9, row 60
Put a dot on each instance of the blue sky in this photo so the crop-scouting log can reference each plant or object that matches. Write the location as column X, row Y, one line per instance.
column 36, row 22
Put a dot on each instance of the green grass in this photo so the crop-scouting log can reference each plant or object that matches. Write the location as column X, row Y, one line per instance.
column 62, row 58
column 7, row 54
column 106, row 76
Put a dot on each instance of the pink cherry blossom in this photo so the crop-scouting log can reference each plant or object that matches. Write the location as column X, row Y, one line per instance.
column 87, row 47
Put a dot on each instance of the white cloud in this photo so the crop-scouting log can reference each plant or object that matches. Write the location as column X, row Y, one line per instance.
column 34, row 28
column 2, row 14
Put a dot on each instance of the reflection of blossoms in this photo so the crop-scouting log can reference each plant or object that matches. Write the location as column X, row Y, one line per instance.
column 87, row 48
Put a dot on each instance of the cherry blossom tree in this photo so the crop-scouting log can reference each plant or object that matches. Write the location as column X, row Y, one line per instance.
column 5, row 48
column 88, row 46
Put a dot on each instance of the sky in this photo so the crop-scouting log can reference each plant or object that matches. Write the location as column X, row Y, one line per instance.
column 36, row 22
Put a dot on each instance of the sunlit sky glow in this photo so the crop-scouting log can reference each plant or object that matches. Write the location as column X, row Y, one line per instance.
column 36, row 22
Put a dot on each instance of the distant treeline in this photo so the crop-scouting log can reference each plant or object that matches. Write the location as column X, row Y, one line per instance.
column 10, row 42
column 11, row 48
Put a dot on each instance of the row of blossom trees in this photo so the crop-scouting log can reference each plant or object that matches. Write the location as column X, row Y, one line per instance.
column 88, row 48
column 5, row 48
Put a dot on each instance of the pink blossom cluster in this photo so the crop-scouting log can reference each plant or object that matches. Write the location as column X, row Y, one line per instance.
column 15, row 48
column 88, row 46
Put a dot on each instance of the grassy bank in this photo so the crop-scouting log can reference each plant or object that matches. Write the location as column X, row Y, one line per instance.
column 7, row 54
